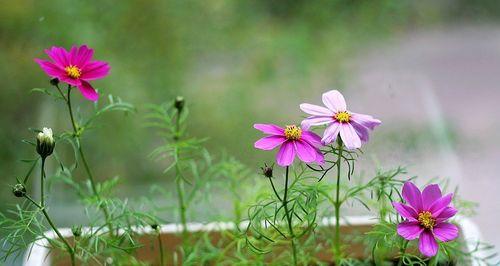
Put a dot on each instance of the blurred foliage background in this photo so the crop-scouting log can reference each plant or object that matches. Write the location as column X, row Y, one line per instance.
column 236, row 63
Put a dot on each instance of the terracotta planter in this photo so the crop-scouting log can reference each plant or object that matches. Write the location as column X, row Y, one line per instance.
column 40, row 254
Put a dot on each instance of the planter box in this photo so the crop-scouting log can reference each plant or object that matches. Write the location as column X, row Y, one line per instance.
column 39, row 254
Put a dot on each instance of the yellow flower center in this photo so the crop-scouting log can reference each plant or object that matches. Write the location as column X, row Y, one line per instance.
column 342, row 117
column 426, row 220
column 73, row 71
column 293, row 132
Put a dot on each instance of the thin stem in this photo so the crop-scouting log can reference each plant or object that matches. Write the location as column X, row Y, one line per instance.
column 41, row 206
column 42, row 178
column 160, row 246
column 336, row 241
column 178, row 179
column 274, row 188
column 289, row 218
column 76, row 132
column 402, row 251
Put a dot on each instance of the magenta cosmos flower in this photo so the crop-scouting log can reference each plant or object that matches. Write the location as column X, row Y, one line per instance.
column 426, row 214
column 293, row 140
column 352, row 127
column 75, row 67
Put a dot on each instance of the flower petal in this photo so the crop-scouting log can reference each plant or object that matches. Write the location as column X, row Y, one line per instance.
column 334, row 101
column 70, row 81
column 59, row 55
column 445, row 231
column 331, row 133
column 270, row 129
column 446, row 214
column 269, row 142
column 316, row 121
column 95, row 70
column 365, row 120
column 439, row 205
column 412, row 196
column 83, row 56
column 406, row 211
column 312, row 138
column 286, row 154
column 427, row 244
column 88, row 92
column 305, row 151
column 316, row 110
column 410, row 230
column 51, row 69
column 430, row 194
column 361, row 130
column 349, row 136
column 320, row 158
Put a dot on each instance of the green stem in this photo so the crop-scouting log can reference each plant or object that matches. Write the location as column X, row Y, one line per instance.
column 289, row 218
column 402, row 251
column 42, row 178
column 41, row 206
column 336, row 242
column 179, row 181
column 160, row 246
column 274, row 188
column 76, row 132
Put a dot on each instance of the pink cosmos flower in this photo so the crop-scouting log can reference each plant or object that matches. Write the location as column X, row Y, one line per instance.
column 352, row 127
column 75, row 67
column 293, row 141
column 426, row 215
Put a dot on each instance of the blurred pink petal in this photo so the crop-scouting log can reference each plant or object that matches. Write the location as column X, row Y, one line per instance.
column 412, row 196
column 427, row 244
column 406, row 211
column 331, row 133
column 305, row 151
column 88, row 92
column 445, row 231
column 269, row 142
column 349, row 137
column 95, row 70
column 286, row 154
column 334, row 101
column 316, row 110
column 270, row 129
column 410, row 230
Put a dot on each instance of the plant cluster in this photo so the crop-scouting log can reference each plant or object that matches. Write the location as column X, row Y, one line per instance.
column 291, row 215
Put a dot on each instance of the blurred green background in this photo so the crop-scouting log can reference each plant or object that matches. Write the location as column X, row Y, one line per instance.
column 236, row 63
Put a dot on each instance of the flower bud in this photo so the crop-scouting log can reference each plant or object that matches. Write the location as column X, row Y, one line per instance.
column 267, row 171
column 45, row 142
column 155, row 226
column 179, row 103
column 19, row 190
column 54, row 82
column 76, row 230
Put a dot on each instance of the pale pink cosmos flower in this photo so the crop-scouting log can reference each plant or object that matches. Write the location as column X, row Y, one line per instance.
column 426, row 215
column 75, row 67
column 352, row 127
column 293, row 140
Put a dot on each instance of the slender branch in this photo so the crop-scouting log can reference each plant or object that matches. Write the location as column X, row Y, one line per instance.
column 274, row 188
column 289, row 218
column 160, row 246
column 76, row 132
column 336, row 241
column 42, row 208
column 178, row 179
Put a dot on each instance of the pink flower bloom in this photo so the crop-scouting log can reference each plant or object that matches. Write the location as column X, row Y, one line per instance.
column 426, row 215
column 293, row 141
column 352, row 127
column 75, row 67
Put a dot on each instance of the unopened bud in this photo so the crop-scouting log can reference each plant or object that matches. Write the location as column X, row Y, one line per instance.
column 76, row 230
column 19, row 190
column 155, row 226
column 179, row 103
column 54, row 82
column 45, row 143
column 267, row 171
